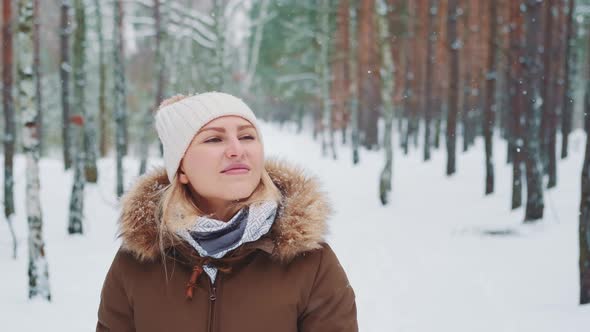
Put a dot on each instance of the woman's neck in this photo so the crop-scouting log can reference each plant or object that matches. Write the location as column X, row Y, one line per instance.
column 217, row 209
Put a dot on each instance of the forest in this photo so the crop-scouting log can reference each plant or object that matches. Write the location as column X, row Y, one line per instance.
column 81, row 80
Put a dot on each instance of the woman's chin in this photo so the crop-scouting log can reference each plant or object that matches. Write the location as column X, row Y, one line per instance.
column 238, row 194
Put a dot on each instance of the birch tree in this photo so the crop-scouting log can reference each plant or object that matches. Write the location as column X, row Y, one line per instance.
column 324, row 74
column 77, row 121
column 120, row 104
column 38, row 269
column 219, row 29
column 102, row 77
column 37, row 73
column 64, row 70
column 158, row 87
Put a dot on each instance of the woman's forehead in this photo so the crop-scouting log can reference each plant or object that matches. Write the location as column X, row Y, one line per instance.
column 228, row 120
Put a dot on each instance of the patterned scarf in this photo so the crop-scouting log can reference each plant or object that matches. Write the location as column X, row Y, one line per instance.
column 215, row 238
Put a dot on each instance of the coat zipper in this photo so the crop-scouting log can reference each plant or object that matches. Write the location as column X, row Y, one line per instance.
column 212, row 301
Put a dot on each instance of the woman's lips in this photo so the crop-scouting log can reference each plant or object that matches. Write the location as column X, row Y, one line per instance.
column 236, row 171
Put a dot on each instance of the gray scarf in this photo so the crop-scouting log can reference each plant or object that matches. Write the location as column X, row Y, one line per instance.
column 215, row 238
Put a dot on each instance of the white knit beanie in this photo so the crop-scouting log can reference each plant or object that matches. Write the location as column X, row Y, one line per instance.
column 177, row 123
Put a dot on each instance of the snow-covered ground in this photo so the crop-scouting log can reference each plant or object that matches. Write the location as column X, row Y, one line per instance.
column 423, row 263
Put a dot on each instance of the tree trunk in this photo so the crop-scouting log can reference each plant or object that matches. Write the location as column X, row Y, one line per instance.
column 584, row 226
column 568, row 99
column 38, row 269
column 418, row 100
column 454, row 44
column 557, row 86
column 37, row 74
column 410, row 76
column 430, row 56
column 353, row 87
column 9, row 122
column 368, row 75
column 546, row 91
column 64, row 71
column 219, row 27
column 89, row 128
column 324, row 74
column 467, row 62
column 387, row 92
column 159, row 87
column 102, row 74
column 397, row 31
column 119, row 93
column 76, row 216
column 516, row 99
column 441, row 72
column 340, row 74
column 532, row 75
column 490, row 107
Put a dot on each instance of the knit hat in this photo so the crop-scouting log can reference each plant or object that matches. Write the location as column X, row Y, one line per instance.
column 179, row 122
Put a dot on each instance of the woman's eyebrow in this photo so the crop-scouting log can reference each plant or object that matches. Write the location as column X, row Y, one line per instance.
column 222, row 130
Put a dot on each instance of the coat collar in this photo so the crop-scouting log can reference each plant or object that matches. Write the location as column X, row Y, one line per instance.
column 300, row 226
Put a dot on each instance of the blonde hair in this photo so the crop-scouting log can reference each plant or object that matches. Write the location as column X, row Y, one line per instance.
column 177, row 207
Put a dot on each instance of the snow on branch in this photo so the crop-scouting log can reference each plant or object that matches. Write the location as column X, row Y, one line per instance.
column 192, row 13
column 181, row 31
column 297, row 77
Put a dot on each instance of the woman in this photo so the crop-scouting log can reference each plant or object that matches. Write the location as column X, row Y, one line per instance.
column 222, row 240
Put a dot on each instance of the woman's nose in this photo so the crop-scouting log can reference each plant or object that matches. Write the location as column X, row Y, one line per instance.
column 234, row 148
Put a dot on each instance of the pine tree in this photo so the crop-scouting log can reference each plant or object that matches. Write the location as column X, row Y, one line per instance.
column 516, row 100
column 454, row 45
column 368, row 75
column 387, row 90
column 428, row 93
column 490, row 107
column 569, row 70
column 353, row 89
column 9, row 121
column 533, row 102
column 584, row 225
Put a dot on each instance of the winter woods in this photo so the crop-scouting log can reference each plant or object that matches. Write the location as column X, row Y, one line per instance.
column 82, row 78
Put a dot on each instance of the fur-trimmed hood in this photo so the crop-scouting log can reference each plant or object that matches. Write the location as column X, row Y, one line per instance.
column 300, row 226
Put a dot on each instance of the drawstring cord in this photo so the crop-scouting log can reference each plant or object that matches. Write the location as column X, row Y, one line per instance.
column 192, row 282
column 197, row 271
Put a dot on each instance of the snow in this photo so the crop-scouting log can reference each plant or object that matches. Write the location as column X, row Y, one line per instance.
column 426, row 262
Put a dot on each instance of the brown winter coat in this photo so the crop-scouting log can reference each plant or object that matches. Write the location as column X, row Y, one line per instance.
column 289, row 280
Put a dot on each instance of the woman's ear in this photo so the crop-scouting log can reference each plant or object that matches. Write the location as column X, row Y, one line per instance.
column 181, row 176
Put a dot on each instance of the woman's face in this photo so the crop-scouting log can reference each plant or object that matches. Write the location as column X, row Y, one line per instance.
column 224, row 162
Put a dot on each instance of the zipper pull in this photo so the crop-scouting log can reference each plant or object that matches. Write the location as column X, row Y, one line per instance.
column 213, row 295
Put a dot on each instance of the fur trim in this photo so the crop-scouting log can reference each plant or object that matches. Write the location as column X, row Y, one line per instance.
column 300, row 226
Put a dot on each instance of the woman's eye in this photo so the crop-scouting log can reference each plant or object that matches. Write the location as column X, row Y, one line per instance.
column 213, row 140
column 248, row 137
